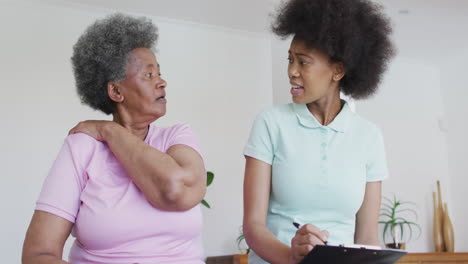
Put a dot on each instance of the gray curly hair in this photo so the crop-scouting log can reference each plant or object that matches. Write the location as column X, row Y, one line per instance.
column 101, row 55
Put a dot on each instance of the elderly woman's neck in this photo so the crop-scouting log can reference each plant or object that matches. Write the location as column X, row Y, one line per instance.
column 139, row 129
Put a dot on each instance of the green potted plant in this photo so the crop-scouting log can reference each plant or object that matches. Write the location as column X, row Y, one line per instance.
column 396, row 216
column 209, row 180
column 241, row 243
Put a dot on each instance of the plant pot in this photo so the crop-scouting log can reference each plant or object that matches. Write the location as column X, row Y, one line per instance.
column 396, row 246
column 245, row 251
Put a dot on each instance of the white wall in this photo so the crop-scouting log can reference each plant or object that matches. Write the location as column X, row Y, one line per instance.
column 408, row 108
column 455, row 94
column 279, row 67
column 218, row 79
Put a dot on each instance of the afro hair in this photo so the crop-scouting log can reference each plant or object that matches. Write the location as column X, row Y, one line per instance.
column 101, row 55
column 353, row 32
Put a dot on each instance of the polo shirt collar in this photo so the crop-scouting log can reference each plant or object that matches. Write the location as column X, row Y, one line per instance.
column 307, row 119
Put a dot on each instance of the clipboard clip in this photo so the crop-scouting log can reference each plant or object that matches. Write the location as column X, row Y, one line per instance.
column 360, row 246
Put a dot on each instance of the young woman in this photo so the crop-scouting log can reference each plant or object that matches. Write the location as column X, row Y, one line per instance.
column 314, row 162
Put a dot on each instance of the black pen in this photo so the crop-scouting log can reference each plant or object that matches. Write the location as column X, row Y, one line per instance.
column 297, row 225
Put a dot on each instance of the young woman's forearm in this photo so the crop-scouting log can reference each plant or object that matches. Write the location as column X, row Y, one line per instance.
column 266, row 245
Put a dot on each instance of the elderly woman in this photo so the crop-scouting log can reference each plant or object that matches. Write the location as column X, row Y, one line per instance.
column 314, row 162
column 127, row 190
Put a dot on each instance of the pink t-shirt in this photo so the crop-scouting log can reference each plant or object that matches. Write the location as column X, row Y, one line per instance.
column 113, row 221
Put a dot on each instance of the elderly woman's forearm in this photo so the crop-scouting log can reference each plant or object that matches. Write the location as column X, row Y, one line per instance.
column 164, row 182
column 43, row 259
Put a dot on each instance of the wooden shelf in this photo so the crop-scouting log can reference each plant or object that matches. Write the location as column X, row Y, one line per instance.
column 228, row 259
column 434, row 258
column 411, row 258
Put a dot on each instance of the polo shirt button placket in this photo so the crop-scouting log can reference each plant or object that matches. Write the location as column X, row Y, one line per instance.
column 323, row 152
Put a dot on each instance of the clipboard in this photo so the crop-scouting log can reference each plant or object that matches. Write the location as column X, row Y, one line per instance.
column 351, row 255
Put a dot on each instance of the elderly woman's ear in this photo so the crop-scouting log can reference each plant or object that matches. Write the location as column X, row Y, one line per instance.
column 114, row 92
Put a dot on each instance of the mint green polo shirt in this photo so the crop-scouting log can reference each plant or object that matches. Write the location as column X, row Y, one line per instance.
column 319, row 173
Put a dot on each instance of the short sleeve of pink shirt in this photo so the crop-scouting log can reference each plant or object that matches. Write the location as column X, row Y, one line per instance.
column 114, row 223
column 60, row 194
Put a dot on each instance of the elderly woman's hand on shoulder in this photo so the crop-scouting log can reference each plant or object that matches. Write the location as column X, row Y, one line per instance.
column 93, row 128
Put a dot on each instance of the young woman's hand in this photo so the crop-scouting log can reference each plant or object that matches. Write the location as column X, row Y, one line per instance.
column 306, row 238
